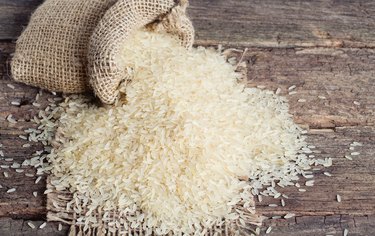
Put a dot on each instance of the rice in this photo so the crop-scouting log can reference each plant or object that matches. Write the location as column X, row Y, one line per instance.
column 289, row 215
column 338, row 198
column 10, row 119
column 31, row 225
column 11, row 86
column 15, row 103
column 38, row 179
column 12, row 190
column 183, row 148
column 43, row 225
column 310, row 183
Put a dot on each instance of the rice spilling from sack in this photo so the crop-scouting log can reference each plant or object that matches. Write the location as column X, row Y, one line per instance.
column 183, row 149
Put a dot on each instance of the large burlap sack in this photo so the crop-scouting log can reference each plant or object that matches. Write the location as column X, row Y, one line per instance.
column 53, row 51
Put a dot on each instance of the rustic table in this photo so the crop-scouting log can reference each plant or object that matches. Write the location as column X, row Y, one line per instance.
column 325, row 48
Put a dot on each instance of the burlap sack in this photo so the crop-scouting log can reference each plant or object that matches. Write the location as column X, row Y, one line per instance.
column 52, row 52
column 105, row 72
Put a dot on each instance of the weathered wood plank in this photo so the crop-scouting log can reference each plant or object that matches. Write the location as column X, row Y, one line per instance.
column 271, row 23
column 338, row 121
column 260, row 23
column 330, row 80
column 322, row 225
column 352, row 180
column 306, row 225
column 11, row 227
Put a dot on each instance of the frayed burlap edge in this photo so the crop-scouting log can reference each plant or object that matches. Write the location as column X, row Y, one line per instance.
column 57, row 211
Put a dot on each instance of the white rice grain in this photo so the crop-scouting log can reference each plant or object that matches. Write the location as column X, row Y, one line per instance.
column 11, row 86
column 12, row 190
column 289, row 215
column 31, row 225
column 38, row 179
column 43, row 225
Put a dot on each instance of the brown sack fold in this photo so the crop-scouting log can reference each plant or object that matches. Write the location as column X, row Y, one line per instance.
column 52, row 52
column 105, row 72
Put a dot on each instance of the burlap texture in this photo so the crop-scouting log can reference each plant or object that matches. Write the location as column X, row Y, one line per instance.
column 51, row 52
column 65, row 39
column 105, row 72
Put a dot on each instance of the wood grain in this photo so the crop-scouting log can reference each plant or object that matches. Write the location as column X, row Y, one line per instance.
column 341, row 75
column 325, row 48
column 270, row 23
column 330, row 80
column 305, row 225
column 11, row 227
column 259, row 23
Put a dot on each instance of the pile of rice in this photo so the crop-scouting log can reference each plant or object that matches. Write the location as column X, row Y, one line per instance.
column 183, row 149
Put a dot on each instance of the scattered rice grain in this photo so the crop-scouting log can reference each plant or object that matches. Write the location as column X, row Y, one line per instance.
column 11, row 190
column 31, row 225
column 289, row 215
column 15, row 103
column 43, row 225
column 38, row 179
column 11, row 86
column 309, row 183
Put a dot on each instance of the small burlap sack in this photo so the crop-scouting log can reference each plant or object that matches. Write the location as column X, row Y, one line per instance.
column 55, row 50
column 105, row 72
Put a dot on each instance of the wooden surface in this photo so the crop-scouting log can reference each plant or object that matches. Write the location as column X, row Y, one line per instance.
column 325, row 48
column 266, row 23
